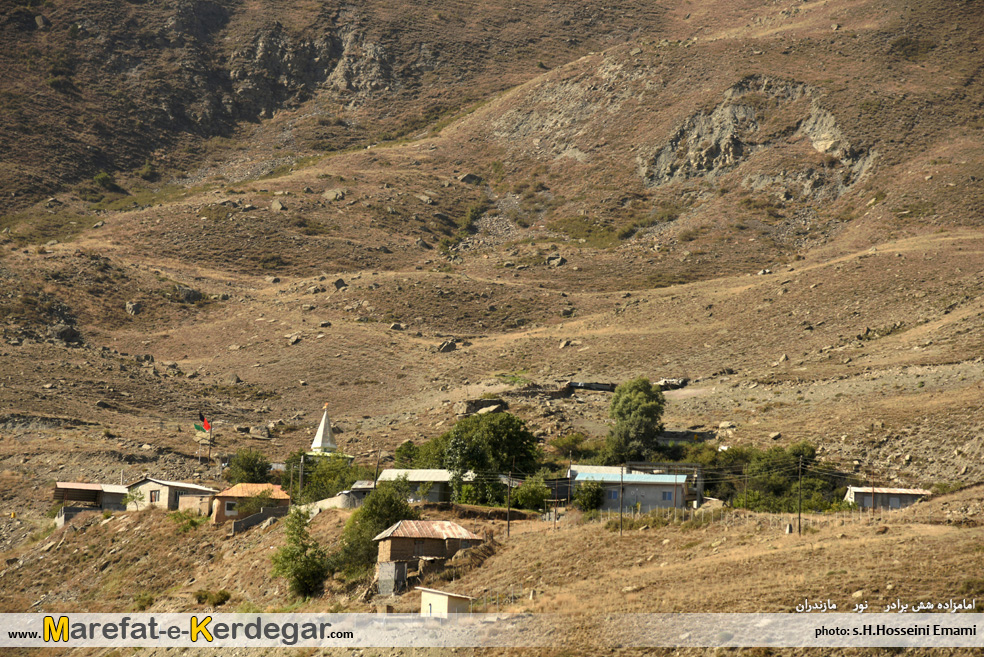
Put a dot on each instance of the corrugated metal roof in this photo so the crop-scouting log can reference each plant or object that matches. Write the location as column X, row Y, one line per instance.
column 251, row 490
column 888, row 491
column 364, row 484
column 440, row 529
column 172, row 484
column 634, row 478
column 106, row 488
column 415, row 475
column 450, row 595
column 599, row 469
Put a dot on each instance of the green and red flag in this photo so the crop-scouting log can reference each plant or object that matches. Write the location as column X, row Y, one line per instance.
column 204, row 426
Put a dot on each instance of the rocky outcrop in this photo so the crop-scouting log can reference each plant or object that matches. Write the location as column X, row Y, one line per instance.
column 756, row 114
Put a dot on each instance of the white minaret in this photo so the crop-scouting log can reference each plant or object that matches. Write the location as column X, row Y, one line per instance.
column 322, row 439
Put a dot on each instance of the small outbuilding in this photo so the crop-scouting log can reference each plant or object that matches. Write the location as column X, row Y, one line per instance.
column 77, row 497
column 884, row 498
column 441, row 603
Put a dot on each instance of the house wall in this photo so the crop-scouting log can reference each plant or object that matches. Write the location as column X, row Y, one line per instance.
column 200, row 504
column 112, row 501
column 219, row 514
column 884, row 500
column 439, row 492
column 148, row 488
column 648, row 496
column 405, row 549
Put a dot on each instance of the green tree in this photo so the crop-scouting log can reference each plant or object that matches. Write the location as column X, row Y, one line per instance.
column 571, row 445
column 533, row 493
column 492, row 443
column 637, row 408
column 134, row 497
column 324, row 476
column 455, row 460
column 248, row 467
column 384, row 507
column 301, row 561
column 252, row 504
column 589, row 495
column 405, row 455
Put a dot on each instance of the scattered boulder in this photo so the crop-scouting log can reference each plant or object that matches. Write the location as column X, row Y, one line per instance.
column 339, row 284
column 63, row 332
column 556, row 260
column 133, row 307
column 272, row 279
column 424, row 198
column 566, row 312
column 277, row 206
column 397, row 326
column 99, row 224
column 775, row 435
column 447, row 346
column 325, row 324
column 233, row 378
column 42, row 22
column 186, row 294
column 102, row 404
column 334, row 194
column 727, row 424
column 422, row 244
column 294, row 339
column 469, row 178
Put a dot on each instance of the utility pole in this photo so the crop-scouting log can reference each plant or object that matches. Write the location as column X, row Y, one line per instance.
column 569, row 468
column 799, row 517
column 508, row 496
column 300, row 483
column 291, row 488
column 621, row 491
column 376, row 476
column 745, row 469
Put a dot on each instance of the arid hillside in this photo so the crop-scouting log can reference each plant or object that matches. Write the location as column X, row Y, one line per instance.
column 254, row 209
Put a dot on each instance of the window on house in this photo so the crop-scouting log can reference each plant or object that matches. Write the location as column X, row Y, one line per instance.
column 667, row 496
column 418, row 548
column 230, row 509
column 155, row 496
column 613, row 494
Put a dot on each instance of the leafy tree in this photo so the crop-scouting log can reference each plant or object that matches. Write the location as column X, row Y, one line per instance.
column 533, row 493
column 384, row 507
column 637, row 408
column 455, row 459
column 252, row 504
column 301, row 561
column 134, row 497
column 492, row 442
column 248, row 467
column 405, row 455
column 571, row 445
column 589, row 495
column 324, row 476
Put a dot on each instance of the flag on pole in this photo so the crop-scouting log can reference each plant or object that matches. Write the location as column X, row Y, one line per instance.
column 199, row 427
column 205, row 425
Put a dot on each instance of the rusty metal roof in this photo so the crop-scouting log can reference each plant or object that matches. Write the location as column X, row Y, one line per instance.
column 440, row 529
column 250, row 490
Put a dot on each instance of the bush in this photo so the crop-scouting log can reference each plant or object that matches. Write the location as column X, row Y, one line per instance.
column 187, row 521
column 405, row 455
column 53, row 511
column 105, row 181
column 142, row 601
column 212, row 598
column 533, row 494
column 248, row 467
column 301, row 561
column 589, row 496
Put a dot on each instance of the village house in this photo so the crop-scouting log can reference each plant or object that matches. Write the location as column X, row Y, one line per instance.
column 884, row 498
column 638, row 491
column 77, row 497
column 441, row 603
column 226, row 502
column 163, row 494
column 426, row 485
column 411, row 539
column 417, row 545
